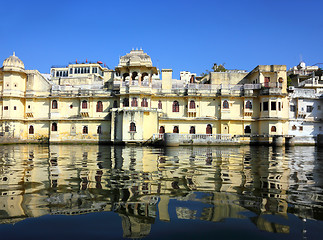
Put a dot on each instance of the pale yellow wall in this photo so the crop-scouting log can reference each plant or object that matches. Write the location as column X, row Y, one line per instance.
column 185, row 126
column 39, row 107
column 167, row 78
column 36, row 84
column 227, row 78
column 14, row 82
column 65, row 132
column 41, row 129
column 182, row 107
column 236, row 128
column 150, row 124
column 208, row 107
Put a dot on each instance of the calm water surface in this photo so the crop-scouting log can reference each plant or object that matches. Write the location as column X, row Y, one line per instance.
column 113, row 192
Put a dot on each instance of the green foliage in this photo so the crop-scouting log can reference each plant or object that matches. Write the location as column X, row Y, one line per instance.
column 215, row 68
column 205, row 74
column 219, row 68
column 289, row 81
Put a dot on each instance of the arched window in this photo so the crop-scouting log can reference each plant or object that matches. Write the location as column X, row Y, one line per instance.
column 175, row 129
column 124, row 76
column 209, row 129
column 31, row 129
column 294, row 127
column 160, row 105
column 143, row 76
column 132, row 127
column 84, row 104
column 273, row 129
column 134, row 75
column 126, row 102
column 247, row 129
column 54, row 104
column 248, row 105
column 99, row 130
column 99, row 106
column 144, row 102
column 85, row 130
column 161, row 129
column 175, row 106
column 192, row 104
column 134, row 102
column 192, row 130
column 225, row 104
column 54, row 127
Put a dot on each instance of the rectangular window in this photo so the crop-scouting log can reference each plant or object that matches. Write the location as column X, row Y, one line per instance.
column 319, row 107
column 265, row 107
column 301, row 128
column 309, row 108
column 5, row 108
column 279, row 106
column 292, row 108
column 273, row 106
column 260, row 107
column 14, row 108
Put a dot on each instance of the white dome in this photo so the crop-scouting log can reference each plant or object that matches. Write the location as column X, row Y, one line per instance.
column 135, row 58
column 13, row 62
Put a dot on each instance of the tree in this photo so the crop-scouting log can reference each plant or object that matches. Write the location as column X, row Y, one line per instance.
column 215, row 68
column 219, row 68
column 289, row 81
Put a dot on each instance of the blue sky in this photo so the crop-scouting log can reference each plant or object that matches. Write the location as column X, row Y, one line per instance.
column 182, row 35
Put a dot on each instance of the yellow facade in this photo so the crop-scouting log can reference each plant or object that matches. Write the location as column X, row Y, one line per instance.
column 86, row 102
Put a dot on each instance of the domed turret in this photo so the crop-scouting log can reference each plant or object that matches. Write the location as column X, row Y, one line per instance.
column 135, row 58
column 301, row 65
column 13, row 63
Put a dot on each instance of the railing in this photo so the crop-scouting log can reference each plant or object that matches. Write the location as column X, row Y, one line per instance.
column 158, row 136
column 199, row 137
column 252, row 86
column 304, row 93
column 208, row 137
column 309, row 81
column 273, row 85
column 157, row 85
column 194, row 86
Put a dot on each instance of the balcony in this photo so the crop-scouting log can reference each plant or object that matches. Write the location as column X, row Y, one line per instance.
column 271, row 91
column 313, row 82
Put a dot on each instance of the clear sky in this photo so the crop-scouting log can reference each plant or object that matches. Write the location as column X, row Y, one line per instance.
column 182, row 35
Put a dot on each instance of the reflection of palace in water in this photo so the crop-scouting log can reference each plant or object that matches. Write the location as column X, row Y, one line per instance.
column 139, row 183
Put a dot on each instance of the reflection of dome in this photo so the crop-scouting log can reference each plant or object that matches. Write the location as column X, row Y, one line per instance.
column 13, row 62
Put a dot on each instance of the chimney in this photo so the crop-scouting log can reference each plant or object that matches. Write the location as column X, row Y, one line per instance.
column 167, row 78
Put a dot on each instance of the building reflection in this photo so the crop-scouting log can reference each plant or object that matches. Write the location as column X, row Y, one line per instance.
column 138, row 183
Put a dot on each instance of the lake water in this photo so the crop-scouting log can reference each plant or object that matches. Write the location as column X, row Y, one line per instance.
column 113, row 192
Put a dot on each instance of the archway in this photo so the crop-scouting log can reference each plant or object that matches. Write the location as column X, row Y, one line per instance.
column 161, row 129
column 209, row 129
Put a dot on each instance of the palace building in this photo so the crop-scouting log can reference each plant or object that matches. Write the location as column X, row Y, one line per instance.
column 138, row 103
